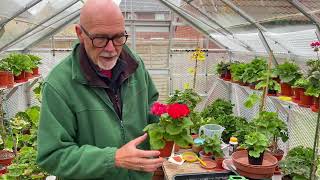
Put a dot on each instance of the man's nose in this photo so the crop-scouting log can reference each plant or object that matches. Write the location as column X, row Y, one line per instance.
column 109, row 47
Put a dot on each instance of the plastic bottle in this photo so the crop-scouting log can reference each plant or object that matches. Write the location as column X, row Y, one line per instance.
column 233, row 144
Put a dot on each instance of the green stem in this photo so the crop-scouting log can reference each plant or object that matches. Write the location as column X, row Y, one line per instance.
column 195, row 74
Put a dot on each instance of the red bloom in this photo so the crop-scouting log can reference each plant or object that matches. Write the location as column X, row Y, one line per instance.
column 177, row 111
column 158, row 109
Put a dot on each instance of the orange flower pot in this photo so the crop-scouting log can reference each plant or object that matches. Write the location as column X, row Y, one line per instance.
column 286, row 89
column 315, row 105
column 3, row 79
column 296, row 96
column 305, row 100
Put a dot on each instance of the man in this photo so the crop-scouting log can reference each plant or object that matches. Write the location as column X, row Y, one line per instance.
column 95, row 104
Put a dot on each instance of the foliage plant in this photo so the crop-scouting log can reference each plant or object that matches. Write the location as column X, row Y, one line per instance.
column 4, row 65
column 218, row 108
column 19, row 63
column 237, row 69
column 273, row 84
column 302, row 83
column 231, row 125
column 213, row 145
column 222, row 68
column 297, row 163
column 256, row 143
column 274, row 128
column 187, row 96
column 313, row 88
column 174, row 125
column 36, row 60
column 254, row 70
column 199, row 121
column 289, row 72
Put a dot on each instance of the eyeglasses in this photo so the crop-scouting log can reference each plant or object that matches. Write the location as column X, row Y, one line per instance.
column 100, row 41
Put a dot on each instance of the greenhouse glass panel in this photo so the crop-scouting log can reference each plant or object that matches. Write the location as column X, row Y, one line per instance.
column 36, row 14
column 9, row 7
column 313, row 6
column 33, row 37
column 145, row 10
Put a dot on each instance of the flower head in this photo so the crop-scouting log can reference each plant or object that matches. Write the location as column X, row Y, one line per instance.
column 315, row 45
column 177, row 110
column 158, row 109
column 199, row 55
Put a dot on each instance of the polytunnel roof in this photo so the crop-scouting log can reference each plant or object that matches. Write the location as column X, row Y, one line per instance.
column 233, row 25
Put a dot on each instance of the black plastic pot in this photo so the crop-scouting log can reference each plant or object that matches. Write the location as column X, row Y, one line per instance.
column 254, row 160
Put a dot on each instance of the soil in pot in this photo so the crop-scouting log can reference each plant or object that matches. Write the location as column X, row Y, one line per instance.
column 256, row 161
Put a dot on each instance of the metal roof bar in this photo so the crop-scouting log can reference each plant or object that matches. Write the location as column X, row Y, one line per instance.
column 54, row 31
column 42, row 22
column 259, row 27
column 44, row 27
column 218, row 24
column 304, row 10
column 28, row 6
column 195, row 25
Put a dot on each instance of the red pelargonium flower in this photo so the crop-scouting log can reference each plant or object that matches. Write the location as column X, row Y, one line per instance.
column 158, row 109
column 177, row 110
column 315, row 44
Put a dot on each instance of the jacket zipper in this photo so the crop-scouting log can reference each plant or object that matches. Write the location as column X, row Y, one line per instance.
column 116, row 97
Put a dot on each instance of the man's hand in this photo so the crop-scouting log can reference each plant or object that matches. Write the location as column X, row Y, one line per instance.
column 129, row 157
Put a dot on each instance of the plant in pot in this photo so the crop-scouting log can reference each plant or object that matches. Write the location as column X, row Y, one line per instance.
column 297, row 163
column 256, row 143
column 254, row 71
column 36, row 61
column 173, row 127
column 304, row 99
column 223, row 70
column 289, row 73
column 314, row 83
column 19, row 64
column 273, row 85
column 237, row 69
column 212, row 146
column 6, row 77
column 270, row 124
column 231, row 125
column 187, row 96
column 218, row 108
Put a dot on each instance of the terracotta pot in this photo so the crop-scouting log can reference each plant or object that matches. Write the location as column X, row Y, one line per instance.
column 166, row 151
column 35, row 71
column 297, row 91
column 3, row 170
column 227, row 75
column 266, row 170
column 6, row 157
column 10, row 80
column 196, row 148
column 28, row 75
column 219, row 163
column 21, row 78
column 279, row 155
column 305, row 100
column 256, row 161
column 286, row 89
column 315, row 104
column 252, row 86
column 221, row 76
column 3, row 79
column 204, row 155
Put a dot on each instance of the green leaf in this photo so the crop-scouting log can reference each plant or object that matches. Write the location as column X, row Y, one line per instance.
column 252, row 100
column 174, row 129
column 157, row 143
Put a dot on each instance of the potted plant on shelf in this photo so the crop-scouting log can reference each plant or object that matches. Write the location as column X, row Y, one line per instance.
column 173, row 127
column 237, row 69
column 314, row 83
column 36, row 61
column 288, row 73
column 256, row 143
column 305, row 100
column 223, row 70
column 187, row 96
column 297, row 163
column 20, row 64
column 6, row 77
column 254, row 71
column 273, row 85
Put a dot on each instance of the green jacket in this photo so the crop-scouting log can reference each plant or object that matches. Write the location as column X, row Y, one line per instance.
column 80, row 131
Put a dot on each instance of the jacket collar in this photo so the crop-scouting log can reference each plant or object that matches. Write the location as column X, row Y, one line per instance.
column 85, row 74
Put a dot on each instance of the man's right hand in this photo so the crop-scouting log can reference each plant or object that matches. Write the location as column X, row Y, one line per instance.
column 129, row 157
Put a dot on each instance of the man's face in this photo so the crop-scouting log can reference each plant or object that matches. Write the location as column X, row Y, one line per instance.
column 95, row 37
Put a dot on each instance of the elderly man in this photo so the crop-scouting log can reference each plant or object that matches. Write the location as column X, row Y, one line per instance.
column 95, row 104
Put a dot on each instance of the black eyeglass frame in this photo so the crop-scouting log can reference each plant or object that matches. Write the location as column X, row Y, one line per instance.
column 92, row 38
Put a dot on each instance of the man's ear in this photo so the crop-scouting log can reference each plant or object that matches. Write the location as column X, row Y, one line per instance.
column 79, row 33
